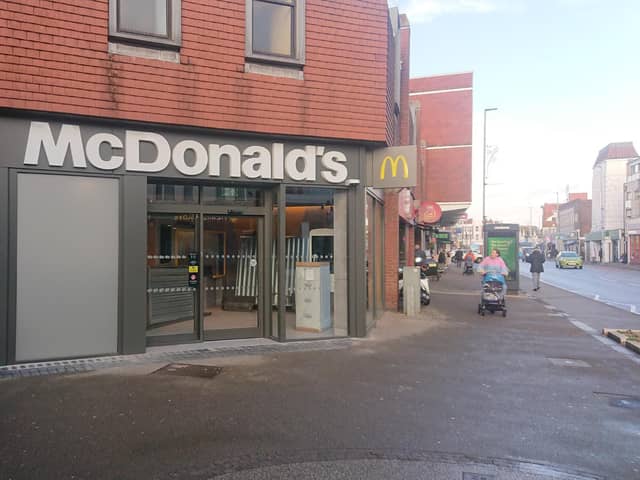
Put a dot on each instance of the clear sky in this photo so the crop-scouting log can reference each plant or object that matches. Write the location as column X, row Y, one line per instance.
column 564, row 75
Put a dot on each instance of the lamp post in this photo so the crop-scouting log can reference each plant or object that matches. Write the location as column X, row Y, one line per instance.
column 484, row 167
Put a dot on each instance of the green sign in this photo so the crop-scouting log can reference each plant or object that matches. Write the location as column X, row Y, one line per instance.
column 508, row 251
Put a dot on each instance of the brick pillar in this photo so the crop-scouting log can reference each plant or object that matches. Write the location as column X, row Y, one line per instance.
column 391, row 249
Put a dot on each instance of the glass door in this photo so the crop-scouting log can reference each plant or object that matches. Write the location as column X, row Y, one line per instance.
column 172, row 302
column 231, row 276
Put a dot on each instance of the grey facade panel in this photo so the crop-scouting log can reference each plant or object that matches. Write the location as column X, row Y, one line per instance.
column 133, row 279
column 4, row 263
column 66, row 266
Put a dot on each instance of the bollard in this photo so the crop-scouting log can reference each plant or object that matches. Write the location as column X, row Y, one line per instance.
column 411, row 289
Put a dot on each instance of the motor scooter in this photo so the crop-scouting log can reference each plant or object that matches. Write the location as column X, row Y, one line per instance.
column 425, row 291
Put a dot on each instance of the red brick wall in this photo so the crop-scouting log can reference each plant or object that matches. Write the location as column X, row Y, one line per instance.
column 447, row 175
column 445, row 120
column 405, row 60
column 442, row 82
column 584, row 216
column 577, row 196
column 549, row 211
column 54, row 57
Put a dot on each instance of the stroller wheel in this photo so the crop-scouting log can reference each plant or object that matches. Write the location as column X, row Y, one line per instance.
column 504, row 313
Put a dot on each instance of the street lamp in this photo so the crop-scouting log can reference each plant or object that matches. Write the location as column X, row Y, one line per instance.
column 484, row 166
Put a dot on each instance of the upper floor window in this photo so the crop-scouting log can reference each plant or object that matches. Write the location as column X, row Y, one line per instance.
column 275, row 31
column 150, row 22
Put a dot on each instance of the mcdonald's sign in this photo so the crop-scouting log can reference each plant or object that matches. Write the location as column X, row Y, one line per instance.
column 394, row 167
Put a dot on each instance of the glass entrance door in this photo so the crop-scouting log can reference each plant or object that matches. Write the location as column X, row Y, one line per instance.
column 231, row 276
column 172, row 303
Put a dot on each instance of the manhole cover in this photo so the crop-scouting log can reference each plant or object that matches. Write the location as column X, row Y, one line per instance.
column 568, row 362
column 188, row 370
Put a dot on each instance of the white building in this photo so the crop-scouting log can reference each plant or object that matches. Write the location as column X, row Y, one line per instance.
column 632, row 211
column 609, row 177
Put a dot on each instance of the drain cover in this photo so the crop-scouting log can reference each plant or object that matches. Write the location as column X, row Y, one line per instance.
column 568, row 362
column 629, row 402
column 188, row 370
column 621, row 400
column 477, row 476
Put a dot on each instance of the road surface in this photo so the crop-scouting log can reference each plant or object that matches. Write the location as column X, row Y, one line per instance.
column 612, row 285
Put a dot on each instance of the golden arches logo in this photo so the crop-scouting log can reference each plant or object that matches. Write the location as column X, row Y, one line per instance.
column 394, row 166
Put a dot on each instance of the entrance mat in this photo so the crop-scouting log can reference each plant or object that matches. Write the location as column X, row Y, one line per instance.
column 189, row 370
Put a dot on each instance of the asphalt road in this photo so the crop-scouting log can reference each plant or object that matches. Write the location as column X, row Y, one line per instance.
column 446, row 395
column 615, row 286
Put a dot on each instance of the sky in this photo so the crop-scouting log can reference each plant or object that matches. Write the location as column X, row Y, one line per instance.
column 564, row 75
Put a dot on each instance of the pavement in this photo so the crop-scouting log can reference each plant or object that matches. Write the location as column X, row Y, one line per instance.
column 443, row 395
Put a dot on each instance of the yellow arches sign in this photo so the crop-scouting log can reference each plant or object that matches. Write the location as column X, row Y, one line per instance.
column 394, row 167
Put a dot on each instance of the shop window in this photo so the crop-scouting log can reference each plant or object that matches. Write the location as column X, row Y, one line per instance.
column 316, row 263
column 248, row 197
column 146, row 22
column 275, row 31
column 168, row 193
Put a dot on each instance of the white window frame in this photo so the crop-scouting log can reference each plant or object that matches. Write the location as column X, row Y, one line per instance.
column 298, row 57
column 174, row 27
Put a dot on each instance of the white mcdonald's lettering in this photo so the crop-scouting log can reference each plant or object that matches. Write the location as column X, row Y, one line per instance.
column 189, row 157
column 394, row 166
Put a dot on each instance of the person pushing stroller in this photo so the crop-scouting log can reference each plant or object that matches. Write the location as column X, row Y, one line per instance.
column 469, row 260
column 493, row 270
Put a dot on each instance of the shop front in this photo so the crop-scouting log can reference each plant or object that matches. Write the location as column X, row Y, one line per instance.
column 633, row 242
column 119, row 236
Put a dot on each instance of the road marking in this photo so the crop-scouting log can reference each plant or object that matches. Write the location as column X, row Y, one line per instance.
column 605, row 340
column 584, row 327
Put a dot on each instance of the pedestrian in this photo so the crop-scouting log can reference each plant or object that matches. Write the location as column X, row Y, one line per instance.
column 600, row 254
column 442, row 258
column 536, row 259
column 420, row 256
column 493, row 264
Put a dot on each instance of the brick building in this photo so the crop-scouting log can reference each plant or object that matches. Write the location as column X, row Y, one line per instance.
column 574, row 222
column 445, row 126
column 435, row 114
column 164, row 170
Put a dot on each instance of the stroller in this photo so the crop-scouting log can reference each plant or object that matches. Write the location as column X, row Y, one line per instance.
column 492, row 294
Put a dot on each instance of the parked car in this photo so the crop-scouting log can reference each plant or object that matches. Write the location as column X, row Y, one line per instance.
column 569, row 260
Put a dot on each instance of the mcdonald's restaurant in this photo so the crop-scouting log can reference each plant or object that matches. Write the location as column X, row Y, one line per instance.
column 118, row 236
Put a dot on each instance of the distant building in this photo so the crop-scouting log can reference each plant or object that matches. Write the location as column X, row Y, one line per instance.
column 609, row 176
column 468, row 231
column 549, row 221
column 632, row 211
column 574, row 222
